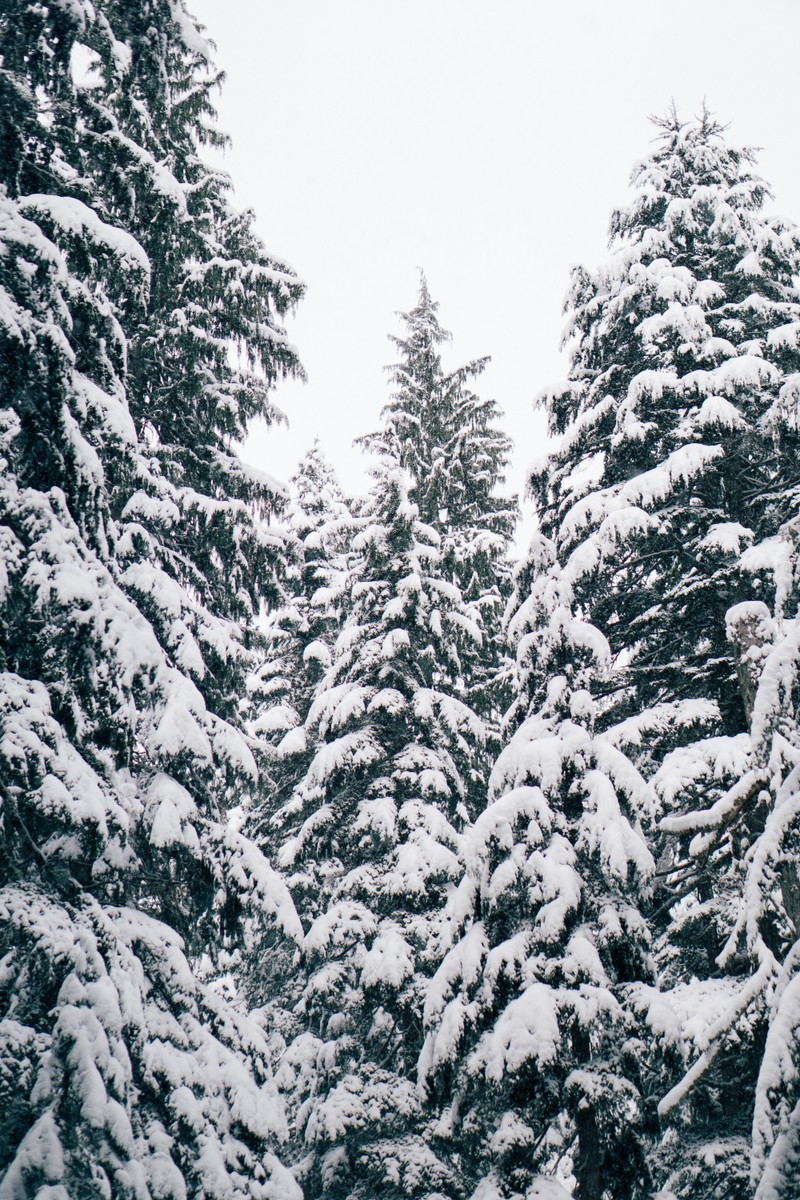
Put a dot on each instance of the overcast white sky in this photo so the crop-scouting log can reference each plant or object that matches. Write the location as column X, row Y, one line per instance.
column 484, row 140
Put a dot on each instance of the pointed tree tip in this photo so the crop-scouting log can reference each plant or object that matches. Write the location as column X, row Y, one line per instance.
column 704, row 122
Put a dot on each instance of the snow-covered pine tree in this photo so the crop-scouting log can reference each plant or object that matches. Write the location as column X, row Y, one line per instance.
column 703, row 1150
column 301, row 631
column 532, row 1050
column 447, row 437
column 678, row 451
column 744, row 849
column 678, row 440
column 203, row 355
column 371, row 847
column 121, row 1072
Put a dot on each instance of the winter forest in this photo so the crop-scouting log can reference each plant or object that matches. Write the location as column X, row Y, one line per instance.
column 346, row 852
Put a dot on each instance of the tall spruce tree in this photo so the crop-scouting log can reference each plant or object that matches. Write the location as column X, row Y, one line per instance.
column 371, row 844
column 125, row 278
column 675, row 471
column 676, row 465
column 533, row 1040
column 677, row 434
column 447, row 437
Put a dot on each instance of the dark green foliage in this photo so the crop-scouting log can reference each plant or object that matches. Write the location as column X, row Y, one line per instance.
column 300, row 632
column 446, row 436
column 531, row 1053
column 125, row 281
column 371, row 842
column 678, row 439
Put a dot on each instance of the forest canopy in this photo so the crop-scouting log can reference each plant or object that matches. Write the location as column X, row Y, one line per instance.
column 347, row 852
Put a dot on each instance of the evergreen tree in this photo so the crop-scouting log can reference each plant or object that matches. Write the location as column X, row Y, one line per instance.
column 371, row 842
column 674, row 471
column 740, row 855
column 441, row 432
column 704, row 1145
column 532, row 1049
column 122, row 1070
column 301, row 631
column 677, row 432
column 202, row 358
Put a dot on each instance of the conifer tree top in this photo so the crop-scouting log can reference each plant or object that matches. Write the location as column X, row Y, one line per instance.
column 445, row 436
column 689, row 155
column 684, row 359
column 316, row 495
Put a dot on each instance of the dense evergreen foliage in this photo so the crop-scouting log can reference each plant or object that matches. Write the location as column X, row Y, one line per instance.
column 531, row 1033
column 371, row 841
column 677, row 428
column 300, row 631
column 447, row 438
column 672, row 498
column 339, row 857
column 128, row 529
